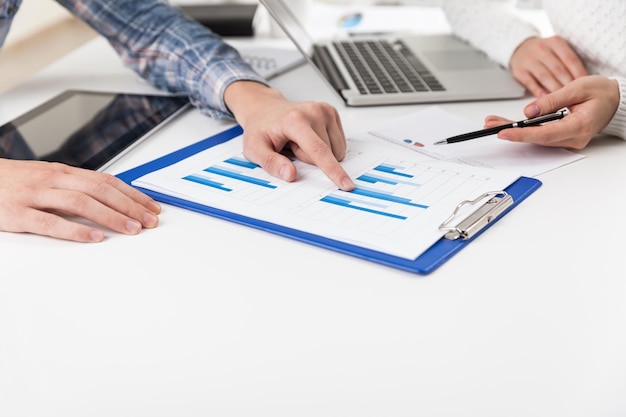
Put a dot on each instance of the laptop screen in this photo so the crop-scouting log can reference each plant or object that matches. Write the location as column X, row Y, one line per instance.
column 282, row 14
column 316, row 55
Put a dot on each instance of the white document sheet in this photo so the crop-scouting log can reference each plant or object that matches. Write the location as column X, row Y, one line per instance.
column 418, row 131
column 400, row 201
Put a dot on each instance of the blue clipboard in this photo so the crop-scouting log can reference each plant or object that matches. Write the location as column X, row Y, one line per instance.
column 427, row 262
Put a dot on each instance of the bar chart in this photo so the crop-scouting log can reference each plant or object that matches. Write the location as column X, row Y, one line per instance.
column 241, row 179
column 387, row 195
column 390, row 195
column 229, row 174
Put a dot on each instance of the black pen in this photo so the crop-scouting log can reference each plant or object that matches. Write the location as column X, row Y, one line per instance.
column 493, row 130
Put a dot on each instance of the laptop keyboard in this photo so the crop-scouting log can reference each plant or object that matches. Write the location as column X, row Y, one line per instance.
column 379, row 66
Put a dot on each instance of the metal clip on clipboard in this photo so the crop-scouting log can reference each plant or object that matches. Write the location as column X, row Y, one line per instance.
column 498, row 202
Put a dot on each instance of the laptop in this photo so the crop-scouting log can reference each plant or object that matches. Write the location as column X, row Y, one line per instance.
column 407, row 69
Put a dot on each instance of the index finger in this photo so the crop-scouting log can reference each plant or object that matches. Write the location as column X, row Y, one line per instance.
column 312, row 148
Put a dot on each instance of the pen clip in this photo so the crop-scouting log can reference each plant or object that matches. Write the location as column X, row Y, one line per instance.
column 498, row 202
column 543, row 118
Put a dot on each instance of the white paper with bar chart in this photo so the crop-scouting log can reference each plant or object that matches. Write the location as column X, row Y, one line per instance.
column 400, row 200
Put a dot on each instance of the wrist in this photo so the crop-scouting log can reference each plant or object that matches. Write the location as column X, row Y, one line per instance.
column 243, row 97
column 617, row 125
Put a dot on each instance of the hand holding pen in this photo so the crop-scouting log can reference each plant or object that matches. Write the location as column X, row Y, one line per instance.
column 593, row 104
column 535, row 121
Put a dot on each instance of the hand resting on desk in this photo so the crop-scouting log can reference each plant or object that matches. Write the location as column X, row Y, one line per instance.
column 36, row 196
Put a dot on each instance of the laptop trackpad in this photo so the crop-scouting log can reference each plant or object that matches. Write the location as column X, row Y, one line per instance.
column 459, row 60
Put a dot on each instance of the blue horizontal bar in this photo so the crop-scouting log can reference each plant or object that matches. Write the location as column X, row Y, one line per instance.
column 237, row 176
column 391, row 170
column 385, row 196
column 240, row 162
column 346, row 203
column 369, row 202
column 207, row 182
column 372, row 179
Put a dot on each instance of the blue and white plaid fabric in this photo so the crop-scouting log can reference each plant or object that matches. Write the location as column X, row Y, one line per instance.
column 172, row 52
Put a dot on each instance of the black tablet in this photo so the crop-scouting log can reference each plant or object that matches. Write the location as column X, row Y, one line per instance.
column 87, row 129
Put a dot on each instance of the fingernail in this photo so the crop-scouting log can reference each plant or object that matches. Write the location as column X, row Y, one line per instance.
column 150, row 220
column 284, row 172
column 347, row 184
column 96, row 235
column 133, row 226
column 154, row 207
column 532, row 110
column 504, row 135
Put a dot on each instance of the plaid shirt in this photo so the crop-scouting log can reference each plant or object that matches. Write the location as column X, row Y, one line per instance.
column 169, row 50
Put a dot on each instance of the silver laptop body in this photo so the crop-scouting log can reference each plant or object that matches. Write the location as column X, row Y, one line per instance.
column 379, row 70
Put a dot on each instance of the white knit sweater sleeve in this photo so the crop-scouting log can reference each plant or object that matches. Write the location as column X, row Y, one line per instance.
column 617, row 125
column 489, row 25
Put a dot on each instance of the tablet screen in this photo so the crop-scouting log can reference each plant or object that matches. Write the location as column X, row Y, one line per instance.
column 86, row 129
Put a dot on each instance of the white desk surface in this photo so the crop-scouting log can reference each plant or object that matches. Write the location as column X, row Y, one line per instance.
column 203, row 317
